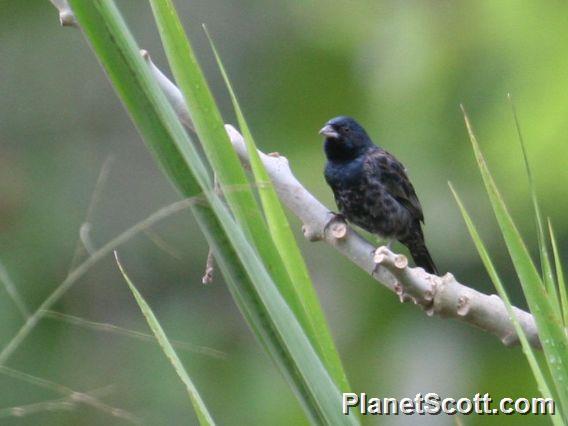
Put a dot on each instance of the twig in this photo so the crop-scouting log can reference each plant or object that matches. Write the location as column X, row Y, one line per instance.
column 12, row 291
column 66, row 16
column 111, row 328
column 84, row 243
column 70, row 393
column 442, row 296
column 59, row 404
column 81, row 269
column 210, row 263
column 209, row 268
column 162, row 244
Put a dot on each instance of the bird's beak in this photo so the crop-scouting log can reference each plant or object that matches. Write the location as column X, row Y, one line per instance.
column 329, row 131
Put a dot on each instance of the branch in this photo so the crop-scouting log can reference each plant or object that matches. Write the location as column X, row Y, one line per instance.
column 442, row 296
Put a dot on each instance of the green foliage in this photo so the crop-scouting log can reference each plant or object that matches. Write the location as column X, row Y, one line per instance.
column 492, row 271
column 244, row 248
column 301, row 296
column 543, row 301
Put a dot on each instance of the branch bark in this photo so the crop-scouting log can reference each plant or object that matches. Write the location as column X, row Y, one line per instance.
column 443, row 296
column 66, row 16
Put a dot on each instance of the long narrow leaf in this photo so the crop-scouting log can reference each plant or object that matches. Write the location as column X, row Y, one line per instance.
column 198, row 405
column 551, row 331
column 302, row 297
column 488, row 263
column 545, row 261
column 559, row 274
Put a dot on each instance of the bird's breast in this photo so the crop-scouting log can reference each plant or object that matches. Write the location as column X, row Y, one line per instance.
column 342, row 175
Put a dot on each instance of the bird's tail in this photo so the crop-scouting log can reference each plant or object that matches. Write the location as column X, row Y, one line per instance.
column 420, row 254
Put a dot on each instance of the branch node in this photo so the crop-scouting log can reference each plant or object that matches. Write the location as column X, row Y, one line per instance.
column 400, row 261
column 209, row 268
column 436, row 282
column 311, row 234
column 338, row 230
column 464, row 306
column 336, row 226
column 509, row 339
column 66, row 16
column 381, row 254
column 379, row 258
column 67, row 19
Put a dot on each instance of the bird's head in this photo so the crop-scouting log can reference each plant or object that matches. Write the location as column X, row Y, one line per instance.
column 344, row 138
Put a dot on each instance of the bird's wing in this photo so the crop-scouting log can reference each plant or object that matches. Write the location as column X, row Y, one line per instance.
column 392, row 174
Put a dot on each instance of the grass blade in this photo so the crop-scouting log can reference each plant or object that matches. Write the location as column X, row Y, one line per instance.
column 559, row 274
column 545, row 261
column 198, row 404
column 302, row 297
column 551, row 332
column 488, row 263
column 229, row 171
column 121, row 331
column 250, row 283
column 207, row 119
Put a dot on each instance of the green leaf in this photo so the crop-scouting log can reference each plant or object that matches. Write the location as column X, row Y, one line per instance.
column 551, row 331
column 490, row 267
column 198, row 405
column 546, row 263
column 559, row 274
column 301, row 297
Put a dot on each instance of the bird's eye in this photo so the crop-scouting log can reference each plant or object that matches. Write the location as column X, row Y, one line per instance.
column 346, row 129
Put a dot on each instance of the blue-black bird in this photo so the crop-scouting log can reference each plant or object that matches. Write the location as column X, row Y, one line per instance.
column 372, row 189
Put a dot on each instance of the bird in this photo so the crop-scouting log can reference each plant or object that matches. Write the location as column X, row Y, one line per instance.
column 372, row 189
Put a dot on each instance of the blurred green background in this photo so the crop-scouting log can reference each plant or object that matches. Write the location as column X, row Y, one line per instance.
column 400, row 68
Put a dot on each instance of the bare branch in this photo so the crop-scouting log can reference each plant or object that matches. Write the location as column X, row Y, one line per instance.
column 442, row 296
